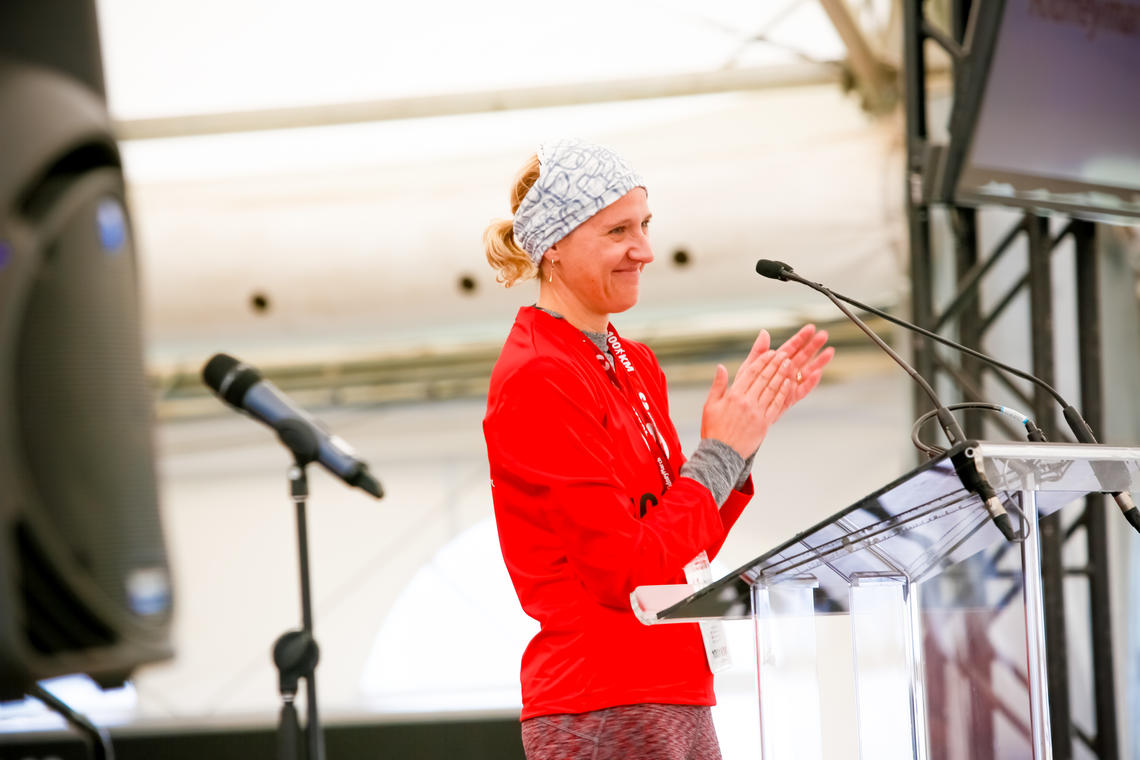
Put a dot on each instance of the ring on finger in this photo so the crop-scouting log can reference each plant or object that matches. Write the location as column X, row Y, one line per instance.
column 799, row 376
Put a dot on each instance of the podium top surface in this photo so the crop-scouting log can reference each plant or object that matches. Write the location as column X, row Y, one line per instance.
column 921, row 523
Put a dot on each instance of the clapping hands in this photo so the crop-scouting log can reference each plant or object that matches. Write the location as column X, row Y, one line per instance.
column 767, row 384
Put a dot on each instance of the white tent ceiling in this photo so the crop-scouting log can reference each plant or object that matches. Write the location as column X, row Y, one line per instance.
column 337, row 224
column 171, row 57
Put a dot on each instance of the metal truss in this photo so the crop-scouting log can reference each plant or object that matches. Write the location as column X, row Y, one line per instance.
column 969, row 319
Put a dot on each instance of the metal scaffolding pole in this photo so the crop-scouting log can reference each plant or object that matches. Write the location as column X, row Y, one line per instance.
column 1052, row 532
column 1104, row 740
column 965, row 315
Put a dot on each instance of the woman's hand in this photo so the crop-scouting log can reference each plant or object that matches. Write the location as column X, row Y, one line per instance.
column 766, row 385
column 803, row 349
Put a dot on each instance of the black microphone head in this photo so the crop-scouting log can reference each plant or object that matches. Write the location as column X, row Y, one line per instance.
column 229, row 378
column 215, row 370
column 364, row 480
column 773, row 270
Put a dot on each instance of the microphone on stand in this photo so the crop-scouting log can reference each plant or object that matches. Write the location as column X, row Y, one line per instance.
column 243, row 388
column 778, row 270
column 971, row 477
column 1073, row 418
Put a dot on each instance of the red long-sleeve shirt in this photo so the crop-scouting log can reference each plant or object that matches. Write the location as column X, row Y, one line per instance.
column 584, row 516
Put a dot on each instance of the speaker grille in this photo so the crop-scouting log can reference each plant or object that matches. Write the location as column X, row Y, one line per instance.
column 84, row 405
column 57, row 620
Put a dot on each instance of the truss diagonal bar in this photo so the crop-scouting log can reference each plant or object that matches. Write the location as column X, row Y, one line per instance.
column 968, row 286
column 1004, row 303
column 1009, row 596
column 1064, row 233
column 945, row 41
column 874, row 78
column 982, row 683
column 1078, row 524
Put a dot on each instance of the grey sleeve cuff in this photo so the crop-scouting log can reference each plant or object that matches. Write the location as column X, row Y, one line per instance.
column 746, row 470
column 716, row 466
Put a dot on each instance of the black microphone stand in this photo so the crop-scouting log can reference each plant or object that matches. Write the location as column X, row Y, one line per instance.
column 295, row 653
column 98, row 739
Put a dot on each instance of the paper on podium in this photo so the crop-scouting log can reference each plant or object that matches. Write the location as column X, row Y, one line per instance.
column 647, row 601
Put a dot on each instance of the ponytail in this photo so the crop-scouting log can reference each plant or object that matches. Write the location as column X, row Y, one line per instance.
column 503, row 253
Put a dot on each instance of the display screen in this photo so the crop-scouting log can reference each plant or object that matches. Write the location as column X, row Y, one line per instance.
column 1059, row 123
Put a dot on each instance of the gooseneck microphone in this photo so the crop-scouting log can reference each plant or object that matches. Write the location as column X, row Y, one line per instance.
column 243, row 388
column 1080, row 428
column 777, row 270
column 975, row 481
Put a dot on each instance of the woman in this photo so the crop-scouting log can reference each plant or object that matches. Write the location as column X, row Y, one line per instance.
column 592, row 494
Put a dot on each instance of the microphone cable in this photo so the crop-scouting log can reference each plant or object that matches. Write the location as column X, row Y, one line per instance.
column 1032, row 431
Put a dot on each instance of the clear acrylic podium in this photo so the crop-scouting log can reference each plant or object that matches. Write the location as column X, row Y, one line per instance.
column 906, row 626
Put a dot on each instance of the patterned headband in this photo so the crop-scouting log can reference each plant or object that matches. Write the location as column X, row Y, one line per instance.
column 575, row 181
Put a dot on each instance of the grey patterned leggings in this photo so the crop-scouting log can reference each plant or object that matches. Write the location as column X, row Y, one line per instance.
column 628, row 732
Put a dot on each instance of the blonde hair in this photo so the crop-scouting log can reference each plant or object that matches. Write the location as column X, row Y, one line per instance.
column 503, row 253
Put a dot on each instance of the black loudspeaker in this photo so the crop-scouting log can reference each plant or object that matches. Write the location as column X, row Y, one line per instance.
column 84, row 579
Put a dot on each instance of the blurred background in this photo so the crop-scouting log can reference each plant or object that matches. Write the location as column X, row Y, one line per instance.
column 305, row 187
